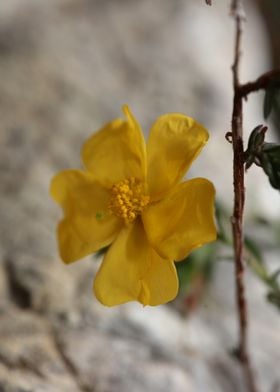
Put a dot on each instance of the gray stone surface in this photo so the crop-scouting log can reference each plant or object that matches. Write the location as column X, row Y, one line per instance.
column 66, row 67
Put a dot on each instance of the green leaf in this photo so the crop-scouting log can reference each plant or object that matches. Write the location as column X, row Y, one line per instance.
column 186, row 270
column 273, row 280
column 255, row 145
column 266, row 155
column 272, row 100
column 199, row 263
column 223, row 223
column 274, row 298
column 259, row 269
column 270, row 162
column 273, row 150
column 253, row 248
column 268, row 102
column 256, row 260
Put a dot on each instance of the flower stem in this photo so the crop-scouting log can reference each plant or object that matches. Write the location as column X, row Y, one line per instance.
column 239, row 199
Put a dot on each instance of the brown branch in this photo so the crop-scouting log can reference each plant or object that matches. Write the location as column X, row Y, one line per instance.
column 239, row 199
column 208, row 2
column 261, row 83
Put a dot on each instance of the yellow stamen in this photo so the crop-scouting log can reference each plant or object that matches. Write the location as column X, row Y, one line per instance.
column 128, row 199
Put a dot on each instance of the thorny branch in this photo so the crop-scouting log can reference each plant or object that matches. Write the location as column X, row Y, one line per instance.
column 239, row 198
column 241, row 91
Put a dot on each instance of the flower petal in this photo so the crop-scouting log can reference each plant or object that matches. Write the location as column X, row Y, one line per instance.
column 88, row 225
column 182, row 221
column 174, row 142
column 71, row 246
column 160, row 284
column 133, row 271
column 116, row 152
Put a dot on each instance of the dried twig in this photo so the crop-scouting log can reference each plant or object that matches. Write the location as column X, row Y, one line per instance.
column 239, row 198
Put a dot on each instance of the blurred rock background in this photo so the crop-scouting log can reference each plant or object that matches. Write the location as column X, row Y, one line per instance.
column 66, row 67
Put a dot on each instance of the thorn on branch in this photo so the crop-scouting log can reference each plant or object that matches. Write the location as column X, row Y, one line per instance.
column 228, row 137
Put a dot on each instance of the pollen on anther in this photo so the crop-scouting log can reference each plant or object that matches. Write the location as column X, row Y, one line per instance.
column 128, row 199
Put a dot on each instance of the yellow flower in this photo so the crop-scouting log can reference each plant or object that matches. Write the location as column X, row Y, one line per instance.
column 130, row 197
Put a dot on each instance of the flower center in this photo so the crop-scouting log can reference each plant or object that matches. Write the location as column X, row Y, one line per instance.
column 128, row 199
